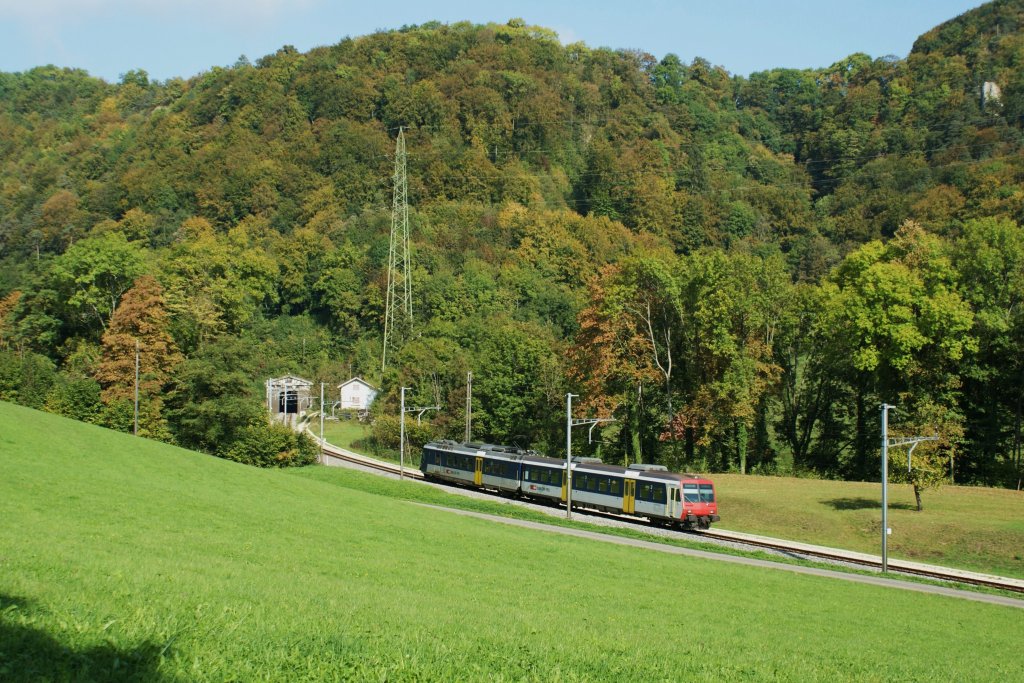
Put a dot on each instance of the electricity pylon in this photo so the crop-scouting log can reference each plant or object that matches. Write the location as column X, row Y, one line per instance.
column 398, row 306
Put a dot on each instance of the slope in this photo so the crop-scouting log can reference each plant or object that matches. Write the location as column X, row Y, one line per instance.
column 128, row 560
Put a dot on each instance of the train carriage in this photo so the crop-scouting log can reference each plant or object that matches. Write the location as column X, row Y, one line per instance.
column 608, row 488
column 484, row 465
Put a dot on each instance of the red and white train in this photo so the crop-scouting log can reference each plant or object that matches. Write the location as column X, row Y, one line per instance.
column 651, row 491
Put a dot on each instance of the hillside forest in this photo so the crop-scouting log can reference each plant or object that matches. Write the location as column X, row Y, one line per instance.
column 738, row 270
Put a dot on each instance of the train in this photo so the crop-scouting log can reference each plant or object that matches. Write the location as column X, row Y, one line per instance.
column 639, row 490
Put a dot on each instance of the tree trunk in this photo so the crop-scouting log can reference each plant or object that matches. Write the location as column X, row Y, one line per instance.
column 917, row 495
column 860, row 441
column 741, row 445
column 1017, row 436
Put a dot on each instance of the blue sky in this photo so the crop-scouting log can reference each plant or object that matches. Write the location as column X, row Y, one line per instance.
column 171, row 38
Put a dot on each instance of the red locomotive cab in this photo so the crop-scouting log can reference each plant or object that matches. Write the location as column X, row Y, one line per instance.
column 700, row 506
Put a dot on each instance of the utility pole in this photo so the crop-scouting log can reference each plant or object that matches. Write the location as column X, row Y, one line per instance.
column 135, row 430
column 911, row 441
column 469, row 407
column 401, row 439
column 398, row 303
column 885, row 486
column 569, row 424
column 322, row 456
column 568, row 454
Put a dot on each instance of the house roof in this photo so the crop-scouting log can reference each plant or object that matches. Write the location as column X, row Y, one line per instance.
column 291, row 380
column 357, row 379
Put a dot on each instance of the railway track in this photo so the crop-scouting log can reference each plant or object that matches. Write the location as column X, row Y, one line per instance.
column 798, row 550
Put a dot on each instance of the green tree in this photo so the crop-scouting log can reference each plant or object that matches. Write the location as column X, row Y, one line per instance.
column 214, row 398
column 898, row 326
column 93, row 275
column 730, row 304
column 989, row 256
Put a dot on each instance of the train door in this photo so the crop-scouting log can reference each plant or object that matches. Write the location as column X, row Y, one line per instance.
column 629, row 497
column 565, row 488
column 478, row 472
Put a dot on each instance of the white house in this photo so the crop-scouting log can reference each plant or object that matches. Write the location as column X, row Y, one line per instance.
column 356, row 394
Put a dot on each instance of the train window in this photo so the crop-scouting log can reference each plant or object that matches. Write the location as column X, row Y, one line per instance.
column 591, row 483
column 616, row 487
column 690, row 493
column 707, row 493
column 602, row 486
column 659, row 493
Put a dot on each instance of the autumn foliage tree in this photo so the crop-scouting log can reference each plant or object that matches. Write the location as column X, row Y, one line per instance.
column 141, row 318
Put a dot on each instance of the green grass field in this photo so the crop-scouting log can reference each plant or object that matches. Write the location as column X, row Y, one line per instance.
column 343, row 433
column 122, row 559
column 972, row 528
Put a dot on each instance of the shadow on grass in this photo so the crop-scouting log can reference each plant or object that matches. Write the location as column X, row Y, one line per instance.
column 30, row 654
column 864, row 504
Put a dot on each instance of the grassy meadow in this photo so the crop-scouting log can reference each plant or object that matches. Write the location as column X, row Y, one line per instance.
column 343, row 433
column 967, row 527
column 123, row 559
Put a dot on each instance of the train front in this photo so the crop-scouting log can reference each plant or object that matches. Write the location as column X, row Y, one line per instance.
column 700, row 508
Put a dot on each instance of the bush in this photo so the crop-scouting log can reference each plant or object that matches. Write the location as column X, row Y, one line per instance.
column 119, row 415
column 386, row 432
column 263, row 444
column 25, row 378
column 78, row 399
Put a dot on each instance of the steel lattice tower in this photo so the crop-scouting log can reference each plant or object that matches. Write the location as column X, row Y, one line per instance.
column 398, row 306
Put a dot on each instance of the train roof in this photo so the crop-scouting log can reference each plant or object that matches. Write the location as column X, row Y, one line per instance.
column 639, row 471
column 474, row 447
